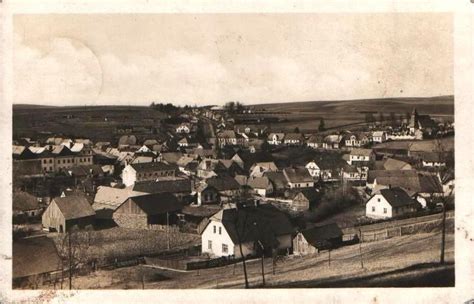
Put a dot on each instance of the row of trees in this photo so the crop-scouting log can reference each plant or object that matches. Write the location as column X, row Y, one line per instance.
column 392, row 118
column 234, row 107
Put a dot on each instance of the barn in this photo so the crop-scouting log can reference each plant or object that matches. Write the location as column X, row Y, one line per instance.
column 63, row 213
column 317, row 238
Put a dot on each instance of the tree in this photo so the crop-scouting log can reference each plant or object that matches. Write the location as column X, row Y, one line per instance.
column 229, row 107
column 296, row 130
column 73, row 248
column 381, row 117
column 393, row 119
column 239, row 107
column 321, row 125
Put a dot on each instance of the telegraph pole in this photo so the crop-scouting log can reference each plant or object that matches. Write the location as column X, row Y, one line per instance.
column 70, row 259
column 168, row 230
column 443, row 234
column 360, row 249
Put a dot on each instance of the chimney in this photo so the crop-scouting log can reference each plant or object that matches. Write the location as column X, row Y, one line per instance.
column 389, row 186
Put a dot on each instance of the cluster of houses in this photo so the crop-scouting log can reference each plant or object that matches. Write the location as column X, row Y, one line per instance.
column 218, row 181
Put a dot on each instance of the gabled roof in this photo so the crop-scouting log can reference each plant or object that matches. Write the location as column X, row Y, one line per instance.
column 74, row 207
column 157, row 203
column 323, row 233
column 223, row 183
column 153, row 166
column 278, row 179
column 112, row 198
column 23, row 201
column 309, row 193
column 279, row 136
column 227, row 134
column 397, row 197
column 294, row 136
column 432, row 157
column 297, row 175
column 315, row 138
column 33, row 256
column 259, row 182
column 171, row 157
column 392, row 164
column 163, row 186
column 361, row 152
column 263, row 223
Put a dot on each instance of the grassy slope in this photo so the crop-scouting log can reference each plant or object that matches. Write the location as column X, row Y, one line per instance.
column 406, row 258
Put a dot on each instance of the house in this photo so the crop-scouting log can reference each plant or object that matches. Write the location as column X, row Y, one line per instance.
column 260, row 185
column 139, row 212
column 179, row 187
column 227, row 186
column 25, row 205
column 247, row 231
column 275, row 138
column 298, row 178
column 332, row 141
column 63, row 213
column 278, row 181
column 390, row 203
column 317, row 238
column 35, row 261
column 183, row 128
column 303, row 199
column 133, row 173
column 379, row 136
column 108, row 199
column 355, row 140
column 313, row 169
column 315, row 141
column 359, row 155
column 207, row 195
column 433, row 159
column 293, row 139
column 227, row 138
column 259, row 168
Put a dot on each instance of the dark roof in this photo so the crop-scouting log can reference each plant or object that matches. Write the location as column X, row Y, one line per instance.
column 318, row 234
column 310, row 193
column 200, row 211
column 294, row 136
column 432, row 157
column 157, row 203
column 27, row 168
column 74, row 206
column 278, row 179
column 23, row 201
column 223, row 183
column 164, row 186
column 263, row 223
column 397, row 197
column 34, row 256
column 85, row 170
column 297, row 175
column 153, row 166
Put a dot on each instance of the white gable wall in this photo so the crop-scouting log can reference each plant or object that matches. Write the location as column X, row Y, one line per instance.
column 378, row 207
column 129, row 176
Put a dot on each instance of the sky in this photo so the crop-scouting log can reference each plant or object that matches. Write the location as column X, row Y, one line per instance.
column 200, row 59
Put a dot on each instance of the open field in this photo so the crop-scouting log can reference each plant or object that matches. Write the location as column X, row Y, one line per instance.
column 402, row 261
column 341, row 113
column 95, row 122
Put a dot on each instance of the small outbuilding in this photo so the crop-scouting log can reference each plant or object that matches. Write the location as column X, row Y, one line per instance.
column 317, row 238
column 65, row 212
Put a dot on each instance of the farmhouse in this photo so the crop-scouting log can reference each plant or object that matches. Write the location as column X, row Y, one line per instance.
column 63, row 213
column 258, row 169
column 260, row 185
column 254, row 228
column 275, row 138
column 390, row 203
column 303, row 199
column 317, row 238
column 207, row 195
column 146, row 172
column 179, row 187
column 361, row 155
column 227, row 186
column 293, row 139
column 139, row 212
column 227, row 138
column 379, row 136
column 298, row 178
column 108, row 199
column 433, row 159
column 25, row 204
column 315, row 141
column 354, row 140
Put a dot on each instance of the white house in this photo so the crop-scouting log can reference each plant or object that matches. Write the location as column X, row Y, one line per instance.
column 433, row 159
column 298, row 178
column 146, row 171
column 293, row 139
column 361, row 155
column 313, row 169
column 258, row 169
column 260, row 185
column 275, row 138
column 183, row 128
column 390, row 203
column 379, row 136
column 252, row 227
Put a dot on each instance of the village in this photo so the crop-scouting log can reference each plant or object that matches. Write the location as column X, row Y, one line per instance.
column 230, row 197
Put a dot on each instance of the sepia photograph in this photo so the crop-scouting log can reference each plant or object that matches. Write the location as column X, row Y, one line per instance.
column 233, row 151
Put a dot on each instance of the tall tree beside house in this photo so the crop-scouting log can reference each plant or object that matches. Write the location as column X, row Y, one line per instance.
column 230, row 107
column 321, row 125
column 381, row 117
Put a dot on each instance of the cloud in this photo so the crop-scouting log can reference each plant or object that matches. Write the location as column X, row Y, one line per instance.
column 65, row 71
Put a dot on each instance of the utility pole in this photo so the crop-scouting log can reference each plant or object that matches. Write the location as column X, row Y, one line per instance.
column 329, row 257
column 70, row 258
column 360, row 249
column 168, row 230
column 443, row 234
column 263, row 269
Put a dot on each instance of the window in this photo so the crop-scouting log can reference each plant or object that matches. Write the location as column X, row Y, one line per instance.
column 378, row 200
column 225, row 248
column 385, row 210
column 209, row 244
column 220, row 230
column 50, row 161
column 373, row 208
column 214, row 228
